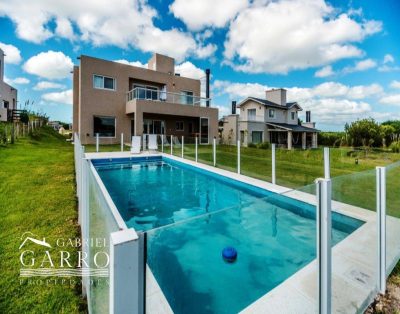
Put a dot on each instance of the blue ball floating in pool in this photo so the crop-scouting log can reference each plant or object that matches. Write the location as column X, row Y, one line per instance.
column 229, row 254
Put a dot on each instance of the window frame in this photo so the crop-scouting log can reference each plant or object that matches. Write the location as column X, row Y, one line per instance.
column 261, row 138
column 184, row 93
column 176, row 126
column 115, row 126
column 269, row 113
column 103, row 88
column 255, row 114
column 293, row 115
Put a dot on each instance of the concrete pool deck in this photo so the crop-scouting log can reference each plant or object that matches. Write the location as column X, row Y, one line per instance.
column 354, row 259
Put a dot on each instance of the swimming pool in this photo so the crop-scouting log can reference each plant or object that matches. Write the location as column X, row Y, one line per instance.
column 191, row 214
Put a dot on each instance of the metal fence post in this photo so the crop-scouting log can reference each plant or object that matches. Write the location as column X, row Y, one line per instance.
column 327, row 163
column 162, row 143
column 171, row 144
column 273, row 151
column 324, row 252
column 195, row 147
column 381, row 220
column 122, row 142
column 238, row 157
column 97, row 142
column 214, row 151
column 182, row 146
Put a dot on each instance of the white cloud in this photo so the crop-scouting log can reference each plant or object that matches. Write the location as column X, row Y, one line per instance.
column 17, row 80
column 391, row 100
column 288, row 35
column 388, row 58
column 387, row 68
column 325, row 71
column 240, row 90
column 64, row 97
column 13, row 54
column 133, row 63
column 50, row 65
column 206, row 13
column 48, row 85
column 395, row 84
column 188, row 69
column 359, row 66
column 124, row 23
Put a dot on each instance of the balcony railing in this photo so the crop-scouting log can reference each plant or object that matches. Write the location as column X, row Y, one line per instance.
column 163, row 96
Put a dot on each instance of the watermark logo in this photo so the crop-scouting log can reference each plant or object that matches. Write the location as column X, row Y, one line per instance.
column 63, row 257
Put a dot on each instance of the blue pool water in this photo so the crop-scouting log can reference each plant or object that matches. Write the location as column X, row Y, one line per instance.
column 190, row 215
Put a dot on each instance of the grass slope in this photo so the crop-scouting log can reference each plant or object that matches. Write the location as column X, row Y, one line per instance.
column 37, row 194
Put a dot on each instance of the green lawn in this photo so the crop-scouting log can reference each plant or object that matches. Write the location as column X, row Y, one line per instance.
column 37, row 194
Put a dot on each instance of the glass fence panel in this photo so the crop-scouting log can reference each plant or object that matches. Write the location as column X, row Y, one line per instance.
column 296, row 168
column 226, row 157
column 354, row 259
column 101, row 225
column 256, row 163
column 392, row 217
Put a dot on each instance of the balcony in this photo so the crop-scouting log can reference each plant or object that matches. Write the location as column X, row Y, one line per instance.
column 253, row 118
column 148, row 94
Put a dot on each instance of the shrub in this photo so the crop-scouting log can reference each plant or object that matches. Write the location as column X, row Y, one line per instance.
column 395, row 147
column 252, row 145
column 333, row 139
column 264, row 145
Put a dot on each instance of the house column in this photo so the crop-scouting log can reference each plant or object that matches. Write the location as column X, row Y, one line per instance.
column 314, row 140
column 289, row 140
column 138, row 123
column 303, row 140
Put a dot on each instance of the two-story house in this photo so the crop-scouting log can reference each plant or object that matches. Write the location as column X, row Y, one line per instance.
column 110, row 98
column 270, row 120
column 8, row 94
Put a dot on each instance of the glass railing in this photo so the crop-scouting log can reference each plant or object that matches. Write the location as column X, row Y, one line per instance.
column 143, row 93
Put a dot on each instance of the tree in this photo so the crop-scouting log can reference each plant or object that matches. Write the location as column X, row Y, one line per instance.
column 365, row 132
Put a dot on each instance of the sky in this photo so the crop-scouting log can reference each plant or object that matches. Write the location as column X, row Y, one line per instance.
column 339, row 59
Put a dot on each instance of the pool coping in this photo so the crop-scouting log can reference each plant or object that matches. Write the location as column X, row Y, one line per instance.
column 353, row 258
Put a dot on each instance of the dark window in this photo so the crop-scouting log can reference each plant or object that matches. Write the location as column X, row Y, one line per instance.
column 179, row 125
column 105, row 126
column 103, row 82
column 187, row 98
column 293, row 114
column 256, row 137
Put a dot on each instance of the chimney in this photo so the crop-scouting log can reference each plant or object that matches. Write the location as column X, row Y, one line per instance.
column 233, row 107
column 308, row 116
column 277, row 96
column 208, row 87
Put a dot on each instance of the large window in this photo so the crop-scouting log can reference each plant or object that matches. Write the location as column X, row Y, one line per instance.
column 146, row 92
column 187, row 98
column 103, row 82
column 251, row 114
column 271, row 113
column 104, row 126
column 256, row 137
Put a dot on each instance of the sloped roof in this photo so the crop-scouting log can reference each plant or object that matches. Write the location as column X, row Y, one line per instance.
column 268, row 103
column 292, row 127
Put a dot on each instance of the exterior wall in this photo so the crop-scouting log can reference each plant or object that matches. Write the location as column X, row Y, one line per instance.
column 113, row 102
column 231, row 129
column 75, row 100
column 289, row 115
column 280, row 115
column 260, row 111
column 8, row 94
column 248, row 127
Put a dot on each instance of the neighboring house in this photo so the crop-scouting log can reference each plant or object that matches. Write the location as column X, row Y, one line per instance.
column 269, row 120
column 56, row 125
column 110, row 98
column 8, row 94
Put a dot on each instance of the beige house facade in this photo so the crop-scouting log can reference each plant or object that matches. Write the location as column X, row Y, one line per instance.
column 110, row 98
column 270, row 120
column 8, row 94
